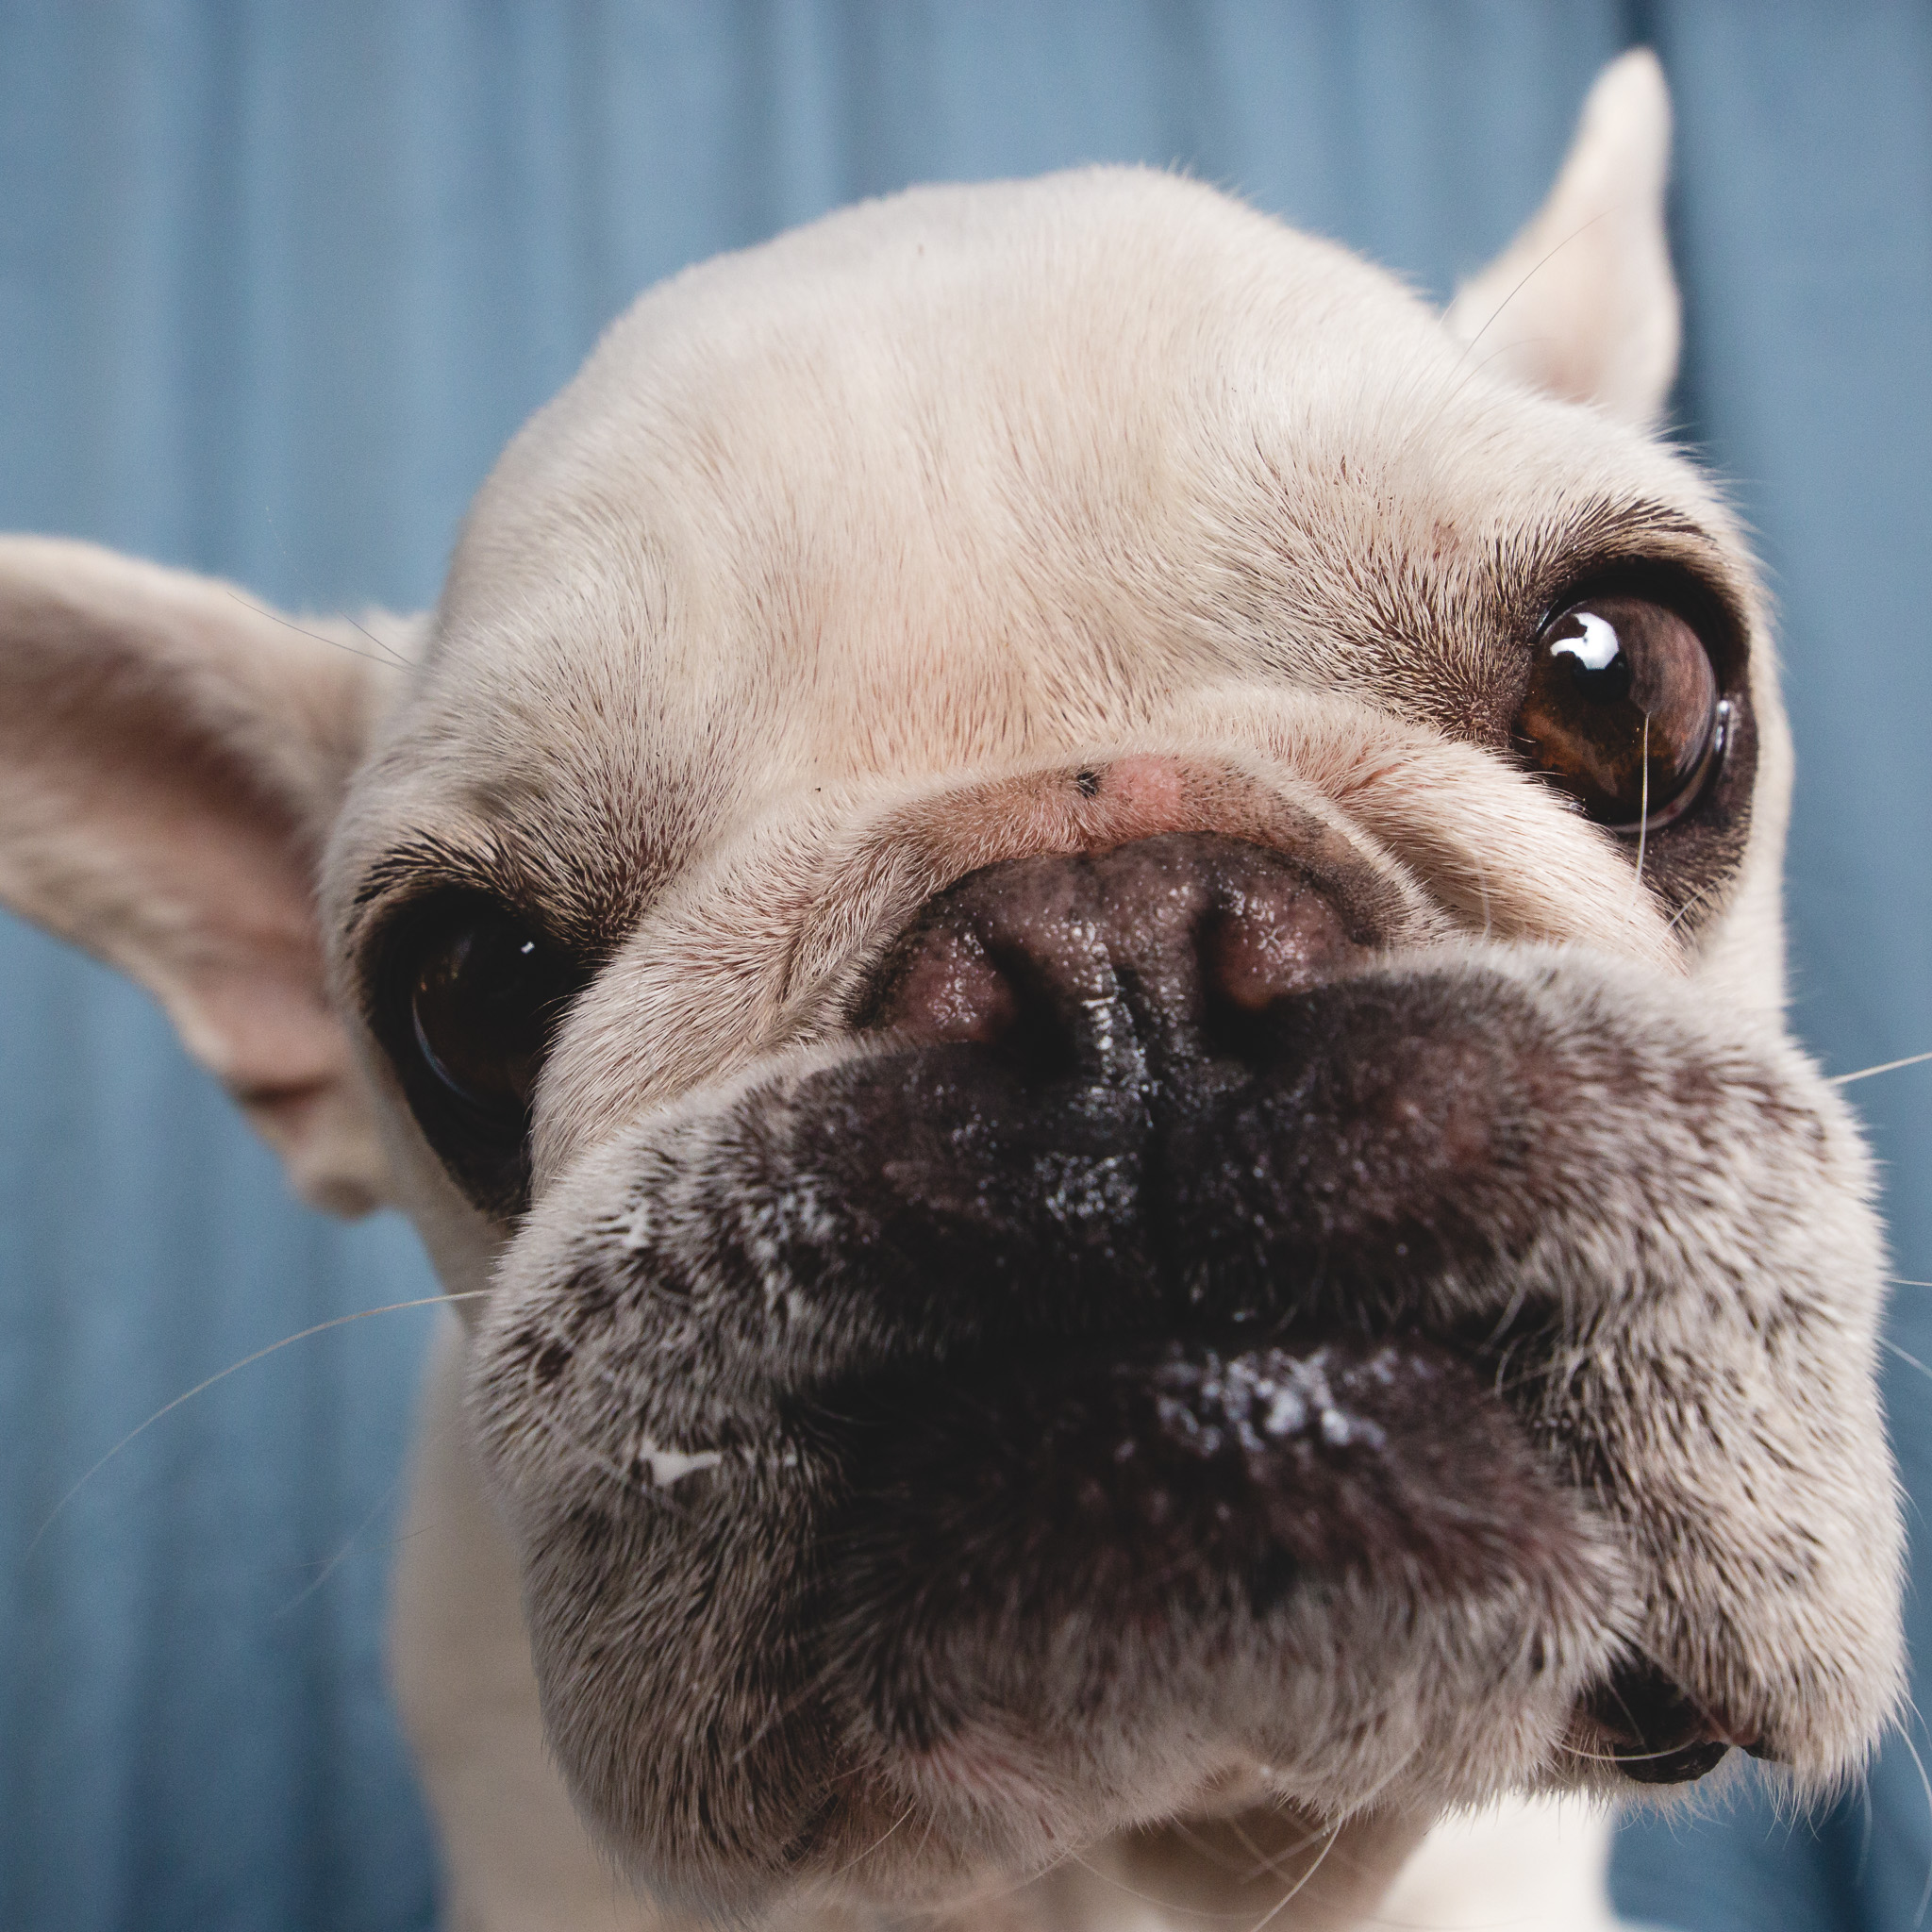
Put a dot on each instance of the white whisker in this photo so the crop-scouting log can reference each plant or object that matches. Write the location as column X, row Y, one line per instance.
column 1886, row 1342
column 1911, row 1059
column 427, row 1301
column 860, row 1856
column 1147, row 1898
column 1289, row 1896
column 1925, row 1785
column 342, row 1555
column 1643, row 813
column 1697, row 897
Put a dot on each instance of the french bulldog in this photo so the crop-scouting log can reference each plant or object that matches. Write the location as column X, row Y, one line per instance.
column 1068, row 937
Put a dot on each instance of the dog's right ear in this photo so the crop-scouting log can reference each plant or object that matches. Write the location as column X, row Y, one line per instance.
column 172, row 757
column 1583, row 303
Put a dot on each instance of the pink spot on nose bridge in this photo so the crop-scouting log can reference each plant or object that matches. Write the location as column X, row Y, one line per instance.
column 1150, row 792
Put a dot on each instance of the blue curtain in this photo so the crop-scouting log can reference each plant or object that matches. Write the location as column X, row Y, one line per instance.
column 277, row 280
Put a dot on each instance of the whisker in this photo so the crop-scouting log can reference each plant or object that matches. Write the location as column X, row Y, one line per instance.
column 1537, row 269
column 1886, row 1342
column 859, row 1856
column 924, row 1839
column 1205, row 1848
column 1583, row 1757
column 787, row 1706
column 1272, row 1867
column 993, row 1892
column 1696, row 898
column 288, row 556
column 443, row 1431
column 1147, row 1898
column 1643, row 813
column 390, row 662
column 1289, row 1896
column 1925, row 1784
column 389, row 651
column 427, row 1301
column 1362, row 1805
column 341, row 1555
column 1517, row 1299
column 1262, row 1860
column 1911, row 1059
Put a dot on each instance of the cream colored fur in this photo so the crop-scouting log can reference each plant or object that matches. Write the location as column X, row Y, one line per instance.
column 804, row 600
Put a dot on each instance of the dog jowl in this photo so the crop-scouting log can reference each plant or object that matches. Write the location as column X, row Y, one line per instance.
column 1070, row 933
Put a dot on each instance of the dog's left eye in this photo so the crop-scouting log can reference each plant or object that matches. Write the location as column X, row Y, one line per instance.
column 480, row 1012
column 472, row 1000
column 1622, row 710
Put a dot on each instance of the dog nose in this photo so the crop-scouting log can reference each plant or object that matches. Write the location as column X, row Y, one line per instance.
column 1108, row 965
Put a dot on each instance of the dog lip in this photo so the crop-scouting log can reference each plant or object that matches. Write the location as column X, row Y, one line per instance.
column 1656, row 1732
column 1683, row 1766
column 1192, row 1489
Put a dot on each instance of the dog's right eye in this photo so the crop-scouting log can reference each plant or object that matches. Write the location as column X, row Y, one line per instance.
column 469, row 999
column 1622, row 710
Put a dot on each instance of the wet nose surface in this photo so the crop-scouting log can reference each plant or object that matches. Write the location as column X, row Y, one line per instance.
column 1111, row 964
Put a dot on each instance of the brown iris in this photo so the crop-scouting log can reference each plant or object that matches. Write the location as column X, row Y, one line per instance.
column 1622, row 709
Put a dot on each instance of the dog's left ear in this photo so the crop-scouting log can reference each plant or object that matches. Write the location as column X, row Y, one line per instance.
column 1583, row 303
column 172, row 757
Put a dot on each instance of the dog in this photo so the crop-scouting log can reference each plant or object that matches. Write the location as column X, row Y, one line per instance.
column 1068, row 937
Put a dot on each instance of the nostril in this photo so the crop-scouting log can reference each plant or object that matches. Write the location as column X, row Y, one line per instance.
column 949, row 988
column 1247, row 962
column 1276, row 937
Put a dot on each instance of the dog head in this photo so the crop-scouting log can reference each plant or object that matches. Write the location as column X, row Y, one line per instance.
column 1080, row 919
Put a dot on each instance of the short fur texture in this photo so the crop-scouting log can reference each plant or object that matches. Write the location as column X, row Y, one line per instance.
column 911, row 1475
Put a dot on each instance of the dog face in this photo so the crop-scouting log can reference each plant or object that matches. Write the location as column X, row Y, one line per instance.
column 1082, row 927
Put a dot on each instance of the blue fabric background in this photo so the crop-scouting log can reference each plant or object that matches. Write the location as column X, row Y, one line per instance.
column 277, row 280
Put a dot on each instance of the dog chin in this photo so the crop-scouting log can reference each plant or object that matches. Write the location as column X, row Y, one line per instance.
column 1064, row 1600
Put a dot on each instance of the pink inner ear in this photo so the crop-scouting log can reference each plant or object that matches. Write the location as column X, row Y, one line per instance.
column 167, row 750
column 212, row 913
column 1582, row 303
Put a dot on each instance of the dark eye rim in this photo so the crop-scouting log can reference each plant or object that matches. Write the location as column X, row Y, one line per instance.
column 486, row 1150
column 1717, row 623
column 1706, row 608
